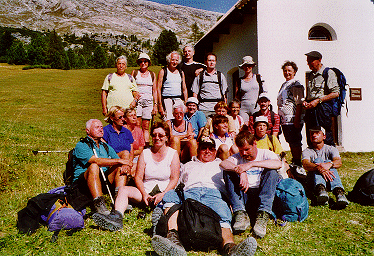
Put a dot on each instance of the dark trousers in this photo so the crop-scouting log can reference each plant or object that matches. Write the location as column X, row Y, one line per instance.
column 320, row 116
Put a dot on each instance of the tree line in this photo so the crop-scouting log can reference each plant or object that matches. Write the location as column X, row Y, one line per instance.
column 21, row 46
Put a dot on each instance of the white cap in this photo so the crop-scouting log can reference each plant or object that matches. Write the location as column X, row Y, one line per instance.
column 263, row 95
column 247, row 60
column 143, row 55
column 263, row 119
column 192, row 100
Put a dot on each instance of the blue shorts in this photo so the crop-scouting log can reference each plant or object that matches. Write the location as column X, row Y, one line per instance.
column 292, row 135
column 207, row 196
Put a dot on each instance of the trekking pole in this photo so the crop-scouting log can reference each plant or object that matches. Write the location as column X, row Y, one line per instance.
column 104, row 178
column 35, row 152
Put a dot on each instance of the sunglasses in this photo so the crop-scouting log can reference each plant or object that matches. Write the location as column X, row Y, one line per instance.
column 159, row 135
column 143, row 61
column 211, row 148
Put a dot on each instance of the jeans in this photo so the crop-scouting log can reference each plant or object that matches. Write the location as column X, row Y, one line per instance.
column 208, row 196
column 317, row 178
column 256, row 199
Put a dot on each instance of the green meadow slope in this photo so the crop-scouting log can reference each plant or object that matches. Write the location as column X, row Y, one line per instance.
column 47, row 110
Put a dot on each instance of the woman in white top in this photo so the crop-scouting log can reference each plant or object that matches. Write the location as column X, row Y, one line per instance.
column 234, row 109
column 147, row 103
column 248, row 88
column 171, row 86
column 157, row 173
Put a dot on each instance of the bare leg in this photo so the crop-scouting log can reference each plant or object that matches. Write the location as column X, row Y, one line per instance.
column 175, row 143
column 145, row 127
column 172, row 223
column 227, row 236
column 124, row 194
column 223, row 152
column 92, row 176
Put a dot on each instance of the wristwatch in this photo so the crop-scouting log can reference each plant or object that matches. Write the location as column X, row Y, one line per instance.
column 320, row 101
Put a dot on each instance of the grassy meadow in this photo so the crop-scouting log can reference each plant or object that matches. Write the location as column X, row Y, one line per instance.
column 47, row 110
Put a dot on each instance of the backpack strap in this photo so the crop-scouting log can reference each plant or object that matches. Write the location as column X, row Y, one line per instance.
column 325, row 75
column 131, row 78
column 272, row 142
column 90, row 144
column 201, row 81
column 110, row 77
column 261, row 88
column 136, row 71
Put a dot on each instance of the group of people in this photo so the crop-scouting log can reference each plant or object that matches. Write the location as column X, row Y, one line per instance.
column 228, row 156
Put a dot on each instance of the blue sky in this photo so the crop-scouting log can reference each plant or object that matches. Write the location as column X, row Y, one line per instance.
column 215, row 5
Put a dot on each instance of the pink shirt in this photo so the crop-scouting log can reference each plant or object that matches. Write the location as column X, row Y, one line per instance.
column 138, row 136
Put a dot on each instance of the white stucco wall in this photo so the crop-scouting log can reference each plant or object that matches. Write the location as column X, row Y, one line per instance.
column 283, row 35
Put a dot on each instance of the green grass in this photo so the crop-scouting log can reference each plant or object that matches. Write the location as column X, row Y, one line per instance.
column 47, row 110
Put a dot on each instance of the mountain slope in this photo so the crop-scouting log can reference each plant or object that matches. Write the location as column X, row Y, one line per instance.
column 143, row 18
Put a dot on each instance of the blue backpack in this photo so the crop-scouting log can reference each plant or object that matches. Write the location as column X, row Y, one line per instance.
column 290, row 202
column 62, row 215
column 342, row 82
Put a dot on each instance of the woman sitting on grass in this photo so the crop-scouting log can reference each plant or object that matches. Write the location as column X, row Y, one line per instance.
column 137, row 134
column 119, row 137
column 157, row 173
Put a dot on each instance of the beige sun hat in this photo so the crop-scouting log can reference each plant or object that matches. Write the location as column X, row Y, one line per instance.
column 143, row 55
column 247, row 60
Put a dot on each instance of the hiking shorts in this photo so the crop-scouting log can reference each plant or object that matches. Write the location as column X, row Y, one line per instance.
column 144, row 109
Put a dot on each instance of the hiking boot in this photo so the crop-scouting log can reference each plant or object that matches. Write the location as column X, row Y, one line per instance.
column 173, row 236
column 156, row 215
column 112, row 222
column 262, row 220
column 341, row 199
column 100, row 207
column 246, row 248
column 321, row 195
column 241, row 221
column 165, row 247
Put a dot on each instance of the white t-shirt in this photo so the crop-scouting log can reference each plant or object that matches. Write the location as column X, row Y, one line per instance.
column 199, row 174
column 254, row 173
column 157, row 173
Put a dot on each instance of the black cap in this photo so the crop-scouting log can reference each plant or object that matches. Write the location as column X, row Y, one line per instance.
column 314, row 54
column 207, row 142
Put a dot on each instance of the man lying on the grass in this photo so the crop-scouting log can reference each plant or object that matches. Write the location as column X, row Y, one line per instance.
column 87, row 165
column 203, row 179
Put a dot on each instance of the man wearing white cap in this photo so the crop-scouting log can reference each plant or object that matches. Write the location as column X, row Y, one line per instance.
column 319, row 94
column 273, row 118
column 321, row 162
column 248, row 88
column 194, row 116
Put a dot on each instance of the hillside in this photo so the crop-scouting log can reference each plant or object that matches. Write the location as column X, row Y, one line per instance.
column 144, row 18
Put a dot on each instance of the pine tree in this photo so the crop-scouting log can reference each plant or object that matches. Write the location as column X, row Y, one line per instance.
column 17, row 54
column 99, row 58
column 196, row 34
column 6, row 41
column 165, row 44
column 37, row 50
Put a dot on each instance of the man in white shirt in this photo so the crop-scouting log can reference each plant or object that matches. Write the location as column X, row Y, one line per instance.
column 251, row 179
column 203, row 179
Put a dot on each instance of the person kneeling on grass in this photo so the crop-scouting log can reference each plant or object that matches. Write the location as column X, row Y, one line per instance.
column 157, row 173
column 251, row 179
column 203, row 181
column 224, row 142
column 321, row 162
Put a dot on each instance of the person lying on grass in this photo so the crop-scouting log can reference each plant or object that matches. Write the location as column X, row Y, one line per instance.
column 203, row 181
column 157, row 173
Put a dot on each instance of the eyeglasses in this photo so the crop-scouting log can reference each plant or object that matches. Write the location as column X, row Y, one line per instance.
column 121, row 117
column 143, row 61
column 211, row 149
column 159, row 135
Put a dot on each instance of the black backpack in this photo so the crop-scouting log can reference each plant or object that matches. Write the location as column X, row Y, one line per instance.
column 219, row 82
column 198, row 225
column 68, row 174
column 363, row 191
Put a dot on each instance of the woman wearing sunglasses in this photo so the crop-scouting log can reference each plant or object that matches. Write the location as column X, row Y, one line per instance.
column 157, row 173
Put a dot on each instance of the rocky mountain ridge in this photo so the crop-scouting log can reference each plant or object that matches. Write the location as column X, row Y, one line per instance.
column 145, row 19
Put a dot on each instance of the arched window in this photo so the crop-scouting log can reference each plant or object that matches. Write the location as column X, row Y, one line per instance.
column 322, row 32
column 319, row 33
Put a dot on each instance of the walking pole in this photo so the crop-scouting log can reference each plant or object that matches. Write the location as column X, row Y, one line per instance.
column 104, row 178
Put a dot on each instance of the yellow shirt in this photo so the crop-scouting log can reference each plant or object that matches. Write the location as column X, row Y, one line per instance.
column 120, row 90
column 265, row 143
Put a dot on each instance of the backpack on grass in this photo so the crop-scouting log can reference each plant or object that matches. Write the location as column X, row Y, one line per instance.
column 338, row 102
column 290, row 202
column 363, row 191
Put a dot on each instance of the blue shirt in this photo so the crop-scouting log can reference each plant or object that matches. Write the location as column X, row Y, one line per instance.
column 118, row 142
column 83, row 152
column 197, row 120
